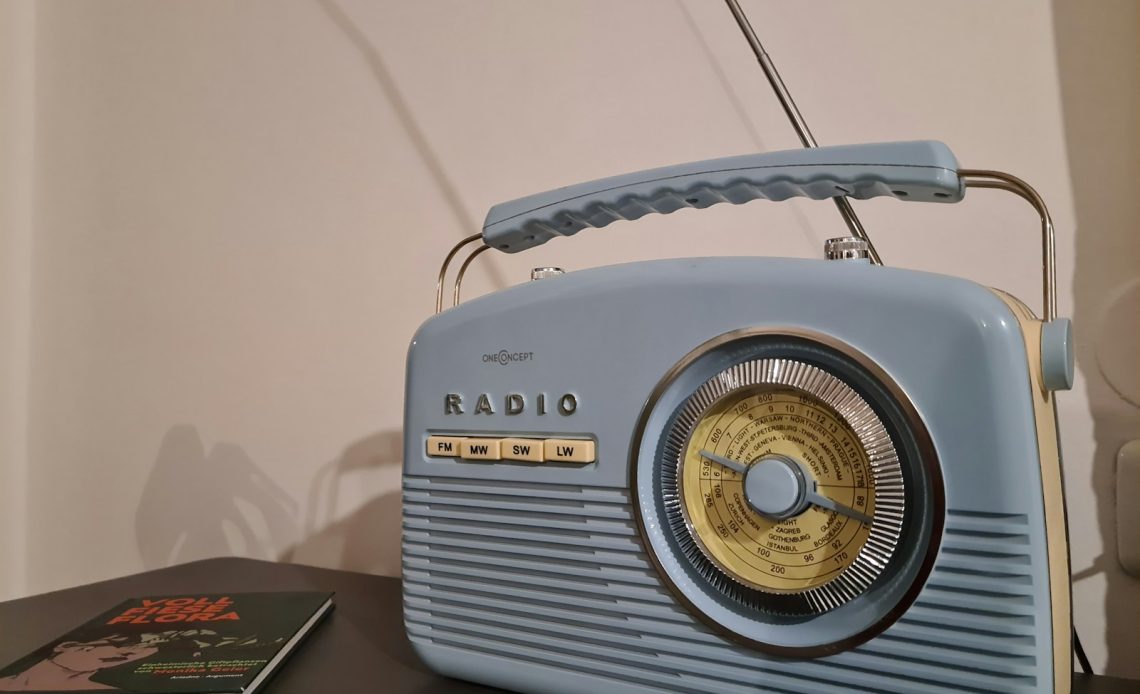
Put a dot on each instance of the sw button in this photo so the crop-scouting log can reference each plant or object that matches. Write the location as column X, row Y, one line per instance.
column 530, row 450
column 569, row 450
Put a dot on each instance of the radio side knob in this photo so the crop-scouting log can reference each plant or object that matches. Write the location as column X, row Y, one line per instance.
column 541, row 273
column 845, row 248
column 1057, row 367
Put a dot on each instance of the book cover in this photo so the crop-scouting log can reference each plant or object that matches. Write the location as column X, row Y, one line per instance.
column 173, row 643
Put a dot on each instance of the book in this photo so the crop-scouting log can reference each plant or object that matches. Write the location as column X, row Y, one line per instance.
column 195, row 644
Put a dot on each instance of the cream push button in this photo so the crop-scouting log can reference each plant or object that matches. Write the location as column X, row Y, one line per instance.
column 529, row 450
column 569, row 450
column 479, row 449
column 444, row 446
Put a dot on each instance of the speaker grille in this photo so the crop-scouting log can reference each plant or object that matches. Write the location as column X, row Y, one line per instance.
column 556, row 576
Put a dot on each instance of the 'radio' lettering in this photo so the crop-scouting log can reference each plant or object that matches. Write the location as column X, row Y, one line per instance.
column 567, row 404
column 513, row 404
column 453, row 404
column 484, row 405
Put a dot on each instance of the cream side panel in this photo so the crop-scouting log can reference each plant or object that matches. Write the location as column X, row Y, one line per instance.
column 1053, row 493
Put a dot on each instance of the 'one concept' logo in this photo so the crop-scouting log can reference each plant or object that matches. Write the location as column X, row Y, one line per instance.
column 505, row 357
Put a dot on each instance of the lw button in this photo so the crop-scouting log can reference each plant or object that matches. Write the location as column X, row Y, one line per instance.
column 530, row 450
column 569, row 450
column 479, row 449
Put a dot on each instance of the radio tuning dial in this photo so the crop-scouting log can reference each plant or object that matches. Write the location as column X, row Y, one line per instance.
column 778, row 489
column 845, row 248
column 782, row 485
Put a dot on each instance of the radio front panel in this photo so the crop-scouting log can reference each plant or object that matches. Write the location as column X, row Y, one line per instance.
column 539, row 549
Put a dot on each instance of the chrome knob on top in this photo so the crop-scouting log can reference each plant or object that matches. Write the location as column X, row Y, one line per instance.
column 541, row 273
column 845, row 248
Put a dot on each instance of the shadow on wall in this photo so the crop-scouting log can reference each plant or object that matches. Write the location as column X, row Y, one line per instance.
column 367, row 540
column 197, row 504
column 1097, row 63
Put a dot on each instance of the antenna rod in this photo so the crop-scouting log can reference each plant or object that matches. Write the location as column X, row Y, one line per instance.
column 793, row 113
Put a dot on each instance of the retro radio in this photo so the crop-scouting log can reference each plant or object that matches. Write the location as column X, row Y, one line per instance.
column 710, row 473
column 740, row 473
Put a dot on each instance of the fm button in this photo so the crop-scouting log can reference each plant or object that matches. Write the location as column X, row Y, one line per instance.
column 444, row 446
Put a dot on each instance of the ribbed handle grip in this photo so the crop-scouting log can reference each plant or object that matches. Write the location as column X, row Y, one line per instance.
column 924, row 171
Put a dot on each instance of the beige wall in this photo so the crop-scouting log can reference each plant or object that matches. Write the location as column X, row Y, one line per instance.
column 222, row 223
column 1098, row 55
column 17, row 131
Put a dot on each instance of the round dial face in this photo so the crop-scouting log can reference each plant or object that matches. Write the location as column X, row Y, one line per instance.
column 809, row 504
column 787, row 491
column 785, row 483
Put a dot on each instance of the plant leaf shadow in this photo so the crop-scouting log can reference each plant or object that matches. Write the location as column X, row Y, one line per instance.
column 198, row 504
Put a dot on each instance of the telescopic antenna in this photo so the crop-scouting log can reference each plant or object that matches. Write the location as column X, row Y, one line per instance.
column 793, row 112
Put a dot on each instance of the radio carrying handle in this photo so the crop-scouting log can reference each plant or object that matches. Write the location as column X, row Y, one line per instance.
column 923, row 171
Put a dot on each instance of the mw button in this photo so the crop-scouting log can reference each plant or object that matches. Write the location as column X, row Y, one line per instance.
column 479, row 449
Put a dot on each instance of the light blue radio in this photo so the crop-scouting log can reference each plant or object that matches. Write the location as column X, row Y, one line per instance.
column 740, row 474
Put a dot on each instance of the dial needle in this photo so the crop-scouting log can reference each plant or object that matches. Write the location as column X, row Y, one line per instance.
column 727, row 462
column 812, row 496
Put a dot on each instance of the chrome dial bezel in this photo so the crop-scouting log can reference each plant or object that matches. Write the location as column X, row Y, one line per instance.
column 872, row 434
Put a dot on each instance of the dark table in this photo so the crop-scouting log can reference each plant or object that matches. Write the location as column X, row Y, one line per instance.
column 361, row 647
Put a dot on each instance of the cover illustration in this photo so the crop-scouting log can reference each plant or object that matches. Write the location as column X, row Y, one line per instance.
column 173, row 643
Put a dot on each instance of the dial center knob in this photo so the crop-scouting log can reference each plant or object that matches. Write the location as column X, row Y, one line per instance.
column 776, row 487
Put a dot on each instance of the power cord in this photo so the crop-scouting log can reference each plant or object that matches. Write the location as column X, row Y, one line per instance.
column 1086, row 666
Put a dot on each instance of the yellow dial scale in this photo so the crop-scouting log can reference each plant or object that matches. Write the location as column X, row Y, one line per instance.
column 786, row 485
column 778, row 538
